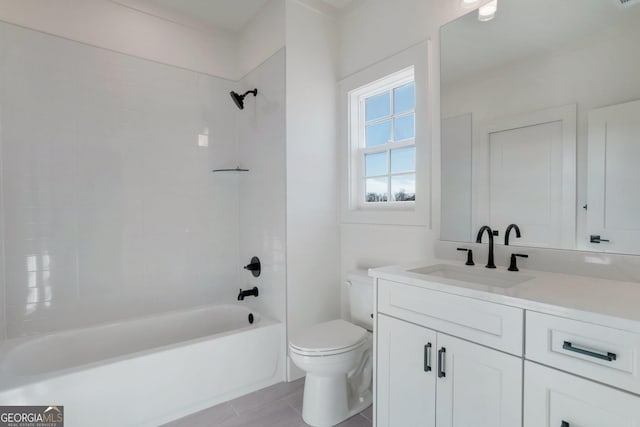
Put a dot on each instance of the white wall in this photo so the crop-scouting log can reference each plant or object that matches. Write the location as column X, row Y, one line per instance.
column 110, row 207
column 113, row 26
column 262, row 36
column 376, row 30
column 313, row 280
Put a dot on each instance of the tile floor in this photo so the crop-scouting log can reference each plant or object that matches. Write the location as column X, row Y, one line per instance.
column 277, row 406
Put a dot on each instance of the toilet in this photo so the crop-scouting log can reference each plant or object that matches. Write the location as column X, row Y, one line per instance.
column 337, row 359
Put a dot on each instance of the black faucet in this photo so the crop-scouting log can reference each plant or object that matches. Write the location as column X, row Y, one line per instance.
column 506, row 233
column 513, row 266
column 247, row 293
column 469, row 256
column 490, row 263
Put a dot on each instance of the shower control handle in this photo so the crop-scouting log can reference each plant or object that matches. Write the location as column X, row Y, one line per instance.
column 254, row 267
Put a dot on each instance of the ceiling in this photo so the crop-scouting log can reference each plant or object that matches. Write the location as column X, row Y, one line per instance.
column 526, row 28
column 231, row 15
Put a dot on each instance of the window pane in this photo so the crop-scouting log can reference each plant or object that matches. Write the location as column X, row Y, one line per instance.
column 404, row 98
column 403, row 160
column 377, row 189
column 378, row 134
column 377, row 106
column 403, row 188
column 375, row 164
column 404, row 127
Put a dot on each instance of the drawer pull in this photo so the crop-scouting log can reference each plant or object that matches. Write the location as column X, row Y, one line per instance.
column 441, row 354
column 609, row 357
column 427, row 357
column 565, row 424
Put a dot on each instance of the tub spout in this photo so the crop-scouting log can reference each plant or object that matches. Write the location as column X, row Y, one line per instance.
column 247, row 293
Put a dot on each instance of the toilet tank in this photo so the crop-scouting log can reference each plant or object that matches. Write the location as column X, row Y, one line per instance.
column 360, row 287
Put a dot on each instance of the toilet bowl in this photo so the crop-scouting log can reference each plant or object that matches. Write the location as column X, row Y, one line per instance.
column 337, row 359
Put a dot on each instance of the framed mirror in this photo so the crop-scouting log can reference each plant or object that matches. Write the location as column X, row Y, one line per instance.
column 541, row 124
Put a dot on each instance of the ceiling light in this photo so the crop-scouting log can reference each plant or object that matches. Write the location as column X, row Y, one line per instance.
column 488, row 11
column 469, row 3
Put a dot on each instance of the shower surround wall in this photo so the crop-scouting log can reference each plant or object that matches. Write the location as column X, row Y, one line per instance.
column 261, row 133
column 109, row 207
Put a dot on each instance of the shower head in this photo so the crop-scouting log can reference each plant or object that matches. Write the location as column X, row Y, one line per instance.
column 239, row 99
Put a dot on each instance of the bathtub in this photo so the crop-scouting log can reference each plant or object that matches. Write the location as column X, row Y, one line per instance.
column 147, row 371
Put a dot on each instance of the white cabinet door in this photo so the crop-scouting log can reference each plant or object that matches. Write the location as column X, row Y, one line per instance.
column 478, row 386
column 557, row 399
column 613, row 177
column 406, row 374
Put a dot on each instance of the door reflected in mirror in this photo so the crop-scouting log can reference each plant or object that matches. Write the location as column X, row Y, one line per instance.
column 541, row 124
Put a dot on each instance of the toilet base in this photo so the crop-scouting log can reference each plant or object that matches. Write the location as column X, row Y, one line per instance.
column 327, row 400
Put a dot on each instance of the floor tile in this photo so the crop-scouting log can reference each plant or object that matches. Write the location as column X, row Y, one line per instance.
column 213, row 416
column 277, row 413
column 368, row 413
column 277, row 406
column 265, row 396
column 295, row 399
column 356, row 421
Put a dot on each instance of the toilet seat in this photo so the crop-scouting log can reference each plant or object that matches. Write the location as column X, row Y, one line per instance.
column 328, row 338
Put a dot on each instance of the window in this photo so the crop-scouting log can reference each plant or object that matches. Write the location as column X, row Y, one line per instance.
column 389, row 101
column 383, row 147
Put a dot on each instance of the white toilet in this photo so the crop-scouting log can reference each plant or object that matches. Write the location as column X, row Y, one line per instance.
column 336, row 357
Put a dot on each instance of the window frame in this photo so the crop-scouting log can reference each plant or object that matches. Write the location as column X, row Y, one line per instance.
column 420, row 215
column 357, row 140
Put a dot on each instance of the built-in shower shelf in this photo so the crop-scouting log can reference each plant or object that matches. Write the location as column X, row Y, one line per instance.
column 237, row 169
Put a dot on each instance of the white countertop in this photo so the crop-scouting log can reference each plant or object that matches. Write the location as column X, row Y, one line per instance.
column 606, row 302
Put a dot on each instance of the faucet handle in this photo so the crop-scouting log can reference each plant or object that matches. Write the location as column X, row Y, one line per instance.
column 513, row 264
column 469, row 256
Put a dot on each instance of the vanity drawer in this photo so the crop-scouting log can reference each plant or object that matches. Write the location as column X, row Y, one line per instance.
column 493, row 325
column 607, row 355
column 556, row 399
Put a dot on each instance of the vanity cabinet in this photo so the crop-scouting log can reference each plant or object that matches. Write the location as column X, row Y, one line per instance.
column 406, row 370
column 428, row 378
column 555, row 399
column 448, row 360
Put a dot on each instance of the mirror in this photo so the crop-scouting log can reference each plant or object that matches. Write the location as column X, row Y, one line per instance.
column 541, row 124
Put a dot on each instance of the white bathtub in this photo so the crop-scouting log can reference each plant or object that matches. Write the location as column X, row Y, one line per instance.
column 147, row 371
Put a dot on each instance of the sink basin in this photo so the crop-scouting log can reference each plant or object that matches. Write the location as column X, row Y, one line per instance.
column 476, row 276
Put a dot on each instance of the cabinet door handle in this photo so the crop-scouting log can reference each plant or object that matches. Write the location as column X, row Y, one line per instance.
column 609, row 357
column 441, row 354
column 427, row 357
column 564, row 424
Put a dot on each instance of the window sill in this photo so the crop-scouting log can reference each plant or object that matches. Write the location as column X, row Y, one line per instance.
column 414, row 214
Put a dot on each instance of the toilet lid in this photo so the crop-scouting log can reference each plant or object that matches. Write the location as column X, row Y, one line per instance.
column 328, row 337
